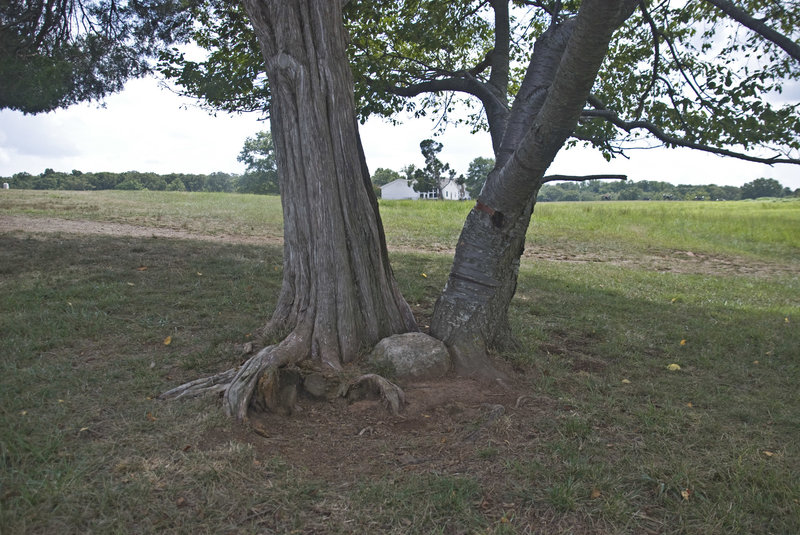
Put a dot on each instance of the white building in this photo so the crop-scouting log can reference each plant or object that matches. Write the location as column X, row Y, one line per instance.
column 403, row 189
column 453, row 192
column 398, row 189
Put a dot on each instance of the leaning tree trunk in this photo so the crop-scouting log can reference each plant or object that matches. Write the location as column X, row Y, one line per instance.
column 338, row 295
column 471, row 315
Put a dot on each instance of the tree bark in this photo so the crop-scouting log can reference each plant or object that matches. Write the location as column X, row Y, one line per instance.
column 471, row 315
column 339, row 296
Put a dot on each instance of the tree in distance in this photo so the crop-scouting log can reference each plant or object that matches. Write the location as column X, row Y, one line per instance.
column 383, row 176
column 762, row 187
column 261, row 174
column 478, row 170
column 539, row 76
column 436, row 174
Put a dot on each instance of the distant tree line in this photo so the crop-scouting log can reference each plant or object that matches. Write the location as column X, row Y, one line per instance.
column 129, row 180
column 261, row 176
column 596, row 190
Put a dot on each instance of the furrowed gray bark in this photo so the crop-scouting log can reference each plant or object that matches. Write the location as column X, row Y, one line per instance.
column 338, row 296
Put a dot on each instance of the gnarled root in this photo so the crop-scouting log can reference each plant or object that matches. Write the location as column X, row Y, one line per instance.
column 269, row 382
column 239, row 384
column 214, row 384
column 372, row 386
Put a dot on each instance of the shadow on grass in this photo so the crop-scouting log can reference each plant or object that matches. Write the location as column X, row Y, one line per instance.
column 608, row 440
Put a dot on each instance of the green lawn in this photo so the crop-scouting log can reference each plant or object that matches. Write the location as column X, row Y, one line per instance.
column 598, row 436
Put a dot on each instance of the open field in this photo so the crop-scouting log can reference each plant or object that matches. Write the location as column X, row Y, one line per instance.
column 597, row 435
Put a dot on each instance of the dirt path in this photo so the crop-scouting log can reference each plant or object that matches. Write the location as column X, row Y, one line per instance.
column 70, row 226
column 664, row 261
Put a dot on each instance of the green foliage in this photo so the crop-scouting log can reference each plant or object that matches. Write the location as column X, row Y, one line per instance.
column 130, row 184
column 261, row 176
column 762, row 187
column 129, row 180
column 397, row 44
column 231, row 76
column 478, row 170
column 383, row 176
column 698, row 77
column 54, row 54
column 595, row 190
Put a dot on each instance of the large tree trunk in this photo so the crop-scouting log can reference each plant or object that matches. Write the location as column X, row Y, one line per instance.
column 339, row 296
column 471, row 315
column 338, row 291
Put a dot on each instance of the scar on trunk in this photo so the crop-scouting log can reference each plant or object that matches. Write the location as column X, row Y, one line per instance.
column 497, row 217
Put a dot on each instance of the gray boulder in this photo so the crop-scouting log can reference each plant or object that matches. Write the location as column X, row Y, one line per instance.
column 410, row 356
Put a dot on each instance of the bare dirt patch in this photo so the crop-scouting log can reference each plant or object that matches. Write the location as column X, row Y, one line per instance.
column 672, row 261
column 50, row 225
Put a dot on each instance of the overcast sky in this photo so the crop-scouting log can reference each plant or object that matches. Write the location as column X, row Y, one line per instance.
column 147, row 128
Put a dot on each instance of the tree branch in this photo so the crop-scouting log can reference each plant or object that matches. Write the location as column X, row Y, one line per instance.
column 499, row 57
column 758, row 26
column 463, row 85
column 656, row 57
column 669, row 139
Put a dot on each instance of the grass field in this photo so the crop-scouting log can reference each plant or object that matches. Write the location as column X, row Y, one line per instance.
column 597, row 436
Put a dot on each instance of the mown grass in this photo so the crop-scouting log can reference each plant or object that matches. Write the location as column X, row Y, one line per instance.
column 609, row 441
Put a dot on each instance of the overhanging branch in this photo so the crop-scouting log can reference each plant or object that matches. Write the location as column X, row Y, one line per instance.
column 669, row 139
column 758, row 26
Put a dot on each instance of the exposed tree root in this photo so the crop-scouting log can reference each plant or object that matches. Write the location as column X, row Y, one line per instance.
column 216, row 384
column 372, row 386
column 269, row 382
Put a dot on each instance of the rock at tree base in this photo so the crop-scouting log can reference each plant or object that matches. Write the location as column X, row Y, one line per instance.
column 410, row 356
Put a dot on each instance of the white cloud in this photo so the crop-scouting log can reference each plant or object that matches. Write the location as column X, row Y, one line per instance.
column 41, row 136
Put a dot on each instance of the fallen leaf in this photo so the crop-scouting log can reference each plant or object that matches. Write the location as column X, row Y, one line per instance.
column 199, row 274
column 61, row 401
column 786, row 319
column 755, row 362
column 595, row 494
column 685, row 493
column 673, row 367
column 151, row 417
column 689, row 405
column 683, row 342
column 769, row 453
column 180, row 502
column 141, row 268
column 674, row 299
column 424, row 275
column 187, row 447
column 131, row 284
column 626, row 381
column 23, row 413
column 167, row 340
column 82, row 429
